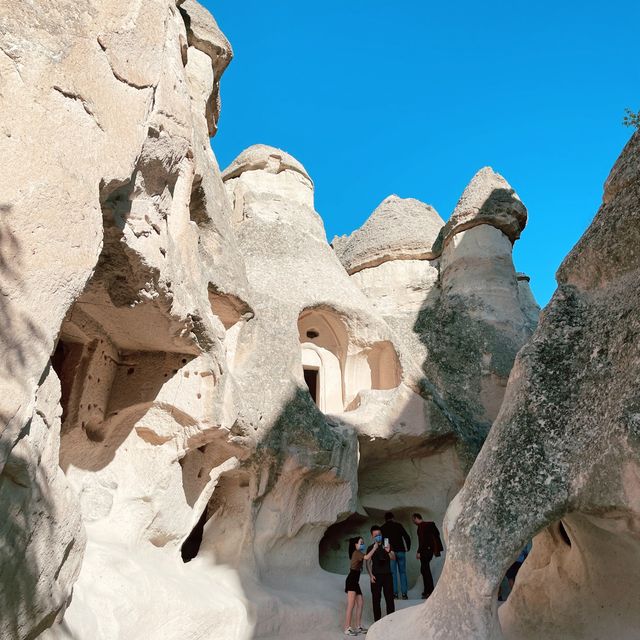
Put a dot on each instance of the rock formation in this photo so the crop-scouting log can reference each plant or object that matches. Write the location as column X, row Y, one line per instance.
column 115, row 232
column 561, row 461
column 200, row 397
column 451, row 292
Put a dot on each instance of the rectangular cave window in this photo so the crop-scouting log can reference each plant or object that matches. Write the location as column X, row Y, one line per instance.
column 65, row 361
column 311, row 377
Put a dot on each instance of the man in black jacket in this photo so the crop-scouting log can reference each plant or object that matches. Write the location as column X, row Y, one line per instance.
column 429, row 544
column 400, row 542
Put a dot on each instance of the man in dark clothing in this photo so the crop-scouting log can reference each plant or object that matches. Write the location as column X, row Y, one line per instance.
column 429, row 545
column 379, row 568
column 400, row 542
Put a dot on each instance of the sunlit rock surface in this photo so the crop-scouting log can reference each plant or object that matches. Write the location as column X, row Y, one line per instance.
column 560, row 464
column 202, row 399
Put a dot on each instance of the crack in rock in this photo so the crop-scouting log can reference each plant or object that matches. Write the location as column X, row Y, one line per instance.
column 71, row 95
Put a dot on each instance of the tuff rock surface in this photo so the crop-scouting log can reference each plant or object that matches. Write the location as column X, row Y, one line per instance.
column 561, row 461
column 399, row 229
column 201, row 399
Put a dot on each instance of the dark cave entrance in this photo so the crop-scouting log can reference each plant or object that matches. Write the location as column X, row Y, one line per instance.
column 65, row 361
column 312, row 378
column 191, row 545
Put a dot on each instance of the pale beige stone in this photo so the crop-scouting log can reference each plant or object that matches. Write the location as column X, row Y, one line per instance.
column 560, row 464
column 104, row 84
column 456, row 305
column 160, row 321
column 399, row 229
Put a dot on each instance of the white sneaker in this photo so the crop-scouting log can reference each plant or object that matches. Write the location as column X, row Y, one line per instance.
column 362, row 630
column 350, row 632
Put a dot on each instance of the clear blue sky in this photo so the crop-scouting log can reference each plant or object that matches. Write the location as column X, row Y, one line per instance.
column 414, row 97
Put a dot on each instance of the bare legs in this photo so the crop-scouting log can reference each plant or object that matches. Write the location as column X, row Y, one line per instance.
column 355, row 603
column 359, row 608
column 351, row 601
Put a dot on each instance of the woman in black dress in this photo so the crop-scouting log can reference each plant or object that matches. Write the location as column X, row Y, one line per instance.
column 355, row 601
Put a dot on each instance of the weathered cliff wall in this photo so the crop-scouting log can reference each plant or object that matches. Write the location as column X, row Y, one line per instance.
column 561, row 461
column 201, row 398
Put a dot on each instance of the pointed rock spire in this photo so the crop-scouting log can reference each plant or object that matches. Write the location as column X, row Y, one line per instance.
column 487, row 199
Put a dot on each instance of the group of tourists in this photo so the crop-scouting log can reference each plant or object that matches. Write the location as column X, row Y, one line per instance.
column 386, row 563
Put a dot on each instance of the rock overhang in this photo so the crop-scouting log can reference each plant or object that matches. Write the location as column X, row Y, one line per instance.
column 487, row 199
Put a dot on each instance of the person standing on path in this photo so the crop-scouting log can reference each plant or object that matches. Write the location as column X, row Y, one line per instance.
column 429, row 545
column 400, row 542
column 355, row 602
column 379, row 569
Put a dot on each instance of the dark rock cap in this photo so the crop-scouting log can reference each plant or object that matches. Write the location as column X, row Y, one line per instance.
column 487, row 199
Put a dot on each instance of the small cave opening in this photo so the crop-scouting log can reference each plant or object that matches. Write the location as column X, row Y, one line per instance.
column 333, row 549
column 404, row 476
column 218, row 533
column 100, row 381
column 384, row 365
column 65, row 361
column 191, row 545
column 589, row 576
column 556, row 537
column 312, row 380
column 229, row 308
column 347, row 366
column 198, row 203
column 563, row 533
column 324, row 343
column 234, row 313
column 506, row 586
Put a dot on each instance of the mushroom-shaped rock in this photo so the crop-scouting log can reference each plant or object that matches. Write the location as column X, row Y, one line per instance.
column 267, row 183
column 560, row 462
column 399, row 229
column 265, row 158
column 487, row 199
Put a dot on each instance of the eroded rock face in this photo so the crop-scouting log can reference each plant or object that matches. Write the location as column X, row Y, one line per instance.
column 487, row 199
column 108, row 259
column 198, row 402
column 460, row 318
column 560, row 462
column 452, row 295
column 481, row 319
